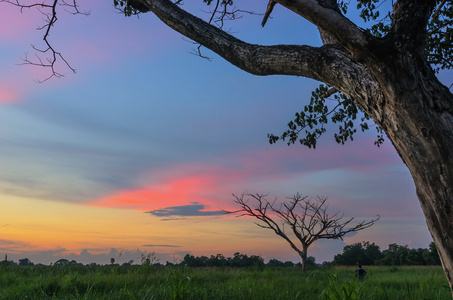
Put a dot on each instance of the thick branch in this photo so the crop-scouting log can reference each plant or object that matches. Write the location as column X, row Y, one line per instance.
column 410, row 20
column 436, row 13
column 331, row 21
column 312, row 62
column 270, row 7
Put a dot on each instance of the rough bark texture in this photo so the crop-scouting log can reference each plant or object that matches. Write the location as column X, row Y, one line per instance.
column 388, row 78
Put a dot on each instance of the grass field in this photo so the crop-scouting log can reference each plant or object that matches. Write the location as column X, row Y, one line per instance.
column 148, row 282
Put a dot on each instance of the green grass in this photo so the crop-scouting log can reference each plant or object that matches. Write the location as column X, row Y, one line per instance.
column 147, row 282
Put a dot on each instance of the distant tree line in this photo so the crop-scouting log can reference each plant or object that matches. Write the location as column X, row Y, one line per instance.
column 366, row 253
column 238, row 260
column 363, row 253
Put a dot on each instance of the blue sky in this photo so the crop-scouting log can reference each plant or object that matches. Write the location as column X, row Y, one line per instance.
column 145, row 126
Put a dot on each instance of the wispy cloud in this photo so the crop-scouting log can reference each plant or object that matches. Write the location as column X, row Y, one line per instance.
column 8, row 242
column 191, row 210
column 165, row 246
column 9, row 246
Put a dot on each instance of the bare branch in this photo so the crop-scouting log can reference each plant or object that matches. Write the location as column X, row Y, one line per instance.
column 436, row 13
column 330, row 92
column 270, row 7
column 49, row 12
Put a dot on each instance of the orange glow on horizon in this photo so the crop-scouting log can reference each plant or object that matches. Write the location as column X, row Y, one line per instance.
column 30, row 225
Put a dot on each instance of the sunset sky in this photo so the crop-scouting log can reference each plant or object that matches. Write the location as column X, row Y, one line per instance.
column 141, row 149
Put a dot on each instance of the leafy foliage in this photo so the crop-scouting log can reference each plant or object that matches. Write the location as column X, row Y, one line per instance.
column 397, row 255
column 238, row 260
column 345, row 290
column 219, row 12
column 364, row 253
column 440, row 37
column 367, row 253
column 311, row 122
column 314, row 117
column 125, row 7
column 223, row 2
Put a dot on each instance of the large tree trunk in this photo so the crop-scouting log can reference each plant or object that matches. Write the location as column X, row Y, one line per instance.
column 303, row 257
column 427, row 150
column 417, row 115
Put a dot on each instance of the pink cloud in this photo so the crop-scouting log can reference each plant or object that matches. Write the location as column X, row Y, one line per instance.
column 176, row 190
column 187, row 184
column 8, row 94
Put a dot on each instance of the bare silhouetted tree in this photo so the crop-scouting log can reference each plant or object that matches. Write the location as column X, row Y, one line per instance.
column 306, row 217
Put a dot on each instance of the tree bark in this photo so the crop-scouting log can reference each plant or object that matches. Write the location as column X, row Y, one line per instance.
column 388, row 78
column 303, row 257
column 418, row 120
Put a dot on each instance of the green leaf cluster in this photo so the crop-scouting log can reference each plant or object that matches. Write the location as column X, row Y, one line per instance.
column 125, row 7
column 439, row 41
column 312, row 120
column 366, row 253
column 223, row 2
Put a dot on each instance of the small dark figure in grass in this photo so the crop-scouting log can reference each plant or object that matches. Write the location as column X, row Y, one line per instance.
column 360, row 273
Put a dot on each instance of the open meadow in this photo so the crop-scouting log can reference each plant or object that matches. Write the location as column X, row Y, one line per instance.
column 150, row 282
